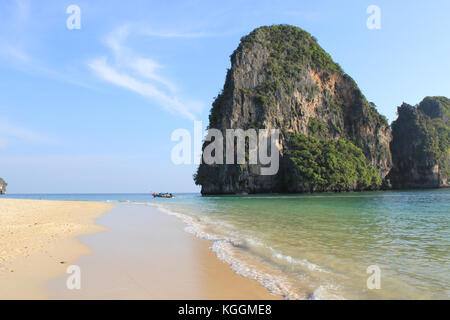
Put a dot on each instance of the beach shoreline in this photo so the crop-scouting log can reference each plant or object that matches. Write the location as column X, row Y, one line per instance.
column 147, row 254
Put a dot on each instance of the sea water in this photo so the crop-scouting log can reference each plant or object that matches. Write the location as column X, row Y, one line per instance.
column 321, row 246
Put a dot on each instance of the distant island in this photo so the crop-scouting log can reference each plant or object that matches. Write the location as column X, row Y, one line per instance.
column 331, row 137
column 3, row 185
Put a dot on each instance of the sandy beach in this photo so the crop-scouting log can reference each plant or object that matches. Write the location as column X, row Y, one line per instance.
column 37, row 240
column 142, row 254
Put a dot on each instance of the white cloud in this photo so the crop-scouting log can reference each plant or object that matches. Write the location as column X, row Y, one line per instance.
column 23, row 11
column 125, row 68
column 11, row 132
column 147, row 68
column 10, row 51
column 16, row 16
column 16, row 45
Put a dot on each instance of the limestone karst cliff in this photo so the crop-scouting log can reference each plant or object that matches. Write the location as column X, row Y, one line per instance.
column 3, row 185
column 332, row 138
column 420, row 145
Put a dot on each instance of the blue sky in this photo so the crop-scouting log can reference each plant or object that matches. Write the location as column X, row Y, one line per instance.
column 92, row 110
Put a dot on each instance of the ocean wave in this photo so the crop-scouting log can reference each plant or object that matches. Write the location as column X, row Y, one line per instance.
column 278, row 285
column 301, row 262
column 325, row 293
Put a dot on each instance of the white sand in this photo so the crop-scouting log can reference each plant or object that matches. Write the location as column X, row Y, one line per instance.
column 37, row 240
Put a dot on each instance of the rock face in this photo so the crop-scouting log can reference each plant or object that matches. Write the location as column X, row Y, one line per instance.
column 3, row 185
column 281, row 78
column 420, row 145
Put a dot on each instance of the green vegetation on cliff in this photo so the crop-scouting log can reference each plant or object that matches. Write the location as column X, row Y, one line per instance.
column 292, row 51
column 321, row 165
column 317, row 127
column 421, row 140
column 290, row 46
column 433, row 122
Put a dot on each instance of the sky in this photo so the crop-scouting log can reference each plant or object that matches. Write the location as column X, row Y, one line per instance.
column 93, row 109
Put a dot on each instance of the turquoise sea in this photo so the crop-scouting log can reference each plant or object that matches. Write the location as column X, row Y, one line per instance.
column 319, row 246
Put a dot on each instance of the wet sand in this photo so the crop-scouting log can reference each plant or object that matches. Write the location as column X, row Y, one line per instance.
column 146, row 254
